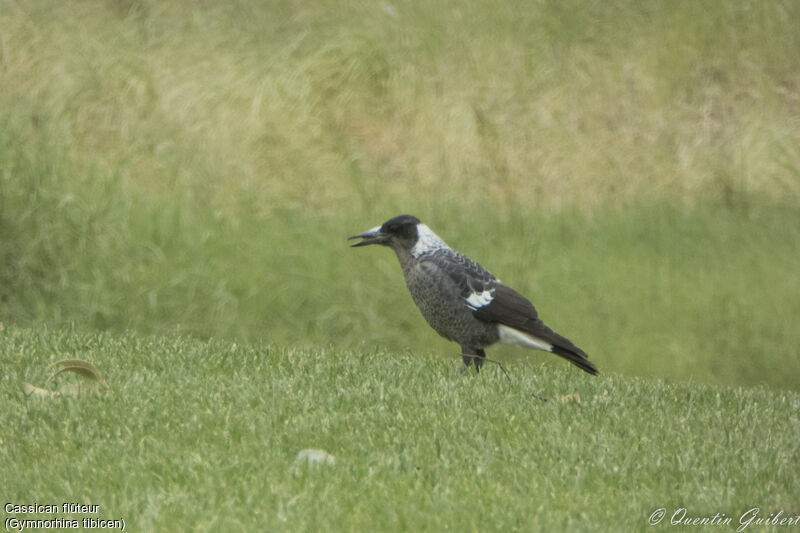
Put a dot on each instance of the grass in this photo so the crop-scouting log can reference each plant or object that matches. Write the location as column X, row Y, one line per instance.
column 176, row 185
column 656, row 290
column 202, row 436
column 556, row 104
column 632, row 171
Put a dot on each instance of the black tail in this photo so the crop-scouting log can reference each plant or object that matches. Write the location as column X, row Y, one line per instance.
column 574, row 355
column 509, row 308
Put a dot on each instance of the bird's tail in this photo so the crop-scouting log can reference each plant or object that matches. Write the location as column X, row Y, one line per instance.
column 544, row 338
column 574, row 355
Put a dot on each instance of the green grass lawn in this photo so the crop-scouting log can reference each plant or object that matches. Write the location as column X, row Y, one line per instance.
column 202, row 436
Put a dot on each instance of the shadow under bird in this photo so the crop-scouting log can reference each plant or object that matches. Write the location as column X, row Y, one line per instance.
column 461, row 300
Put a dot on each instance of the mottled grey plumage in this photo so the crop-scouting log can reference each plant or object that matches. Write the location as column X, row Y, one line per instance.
column 461, row 300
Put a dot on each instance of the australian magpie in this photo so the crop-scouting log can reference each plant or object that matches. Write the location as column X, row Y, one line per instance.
column 461, row 300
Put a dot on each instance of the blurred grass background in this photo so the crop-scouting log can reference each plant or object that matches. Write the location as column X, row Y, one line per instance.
column 634, row 168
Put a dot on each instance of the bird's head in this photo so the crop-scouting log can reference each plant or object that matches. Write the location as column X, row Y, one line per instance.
column 398, row 232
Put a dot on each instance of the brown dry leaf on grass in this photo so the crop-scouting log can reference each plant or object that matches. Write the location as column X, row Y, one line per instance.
column 36, row 392
column 82, row 368
column 571, row 398
column 75, row 366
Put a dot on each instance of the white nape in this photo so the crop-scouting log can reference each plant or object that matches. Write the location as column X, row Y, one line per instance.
column 427, row 241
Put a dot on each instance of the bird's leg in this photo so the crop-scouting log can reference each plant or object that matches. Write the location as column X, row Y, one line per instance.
column 480, row 357
column 469, row 354
column 467, row 359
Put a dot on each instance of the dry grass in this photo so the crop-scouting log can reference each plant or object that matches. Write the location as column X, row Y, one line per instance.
column 543, row 104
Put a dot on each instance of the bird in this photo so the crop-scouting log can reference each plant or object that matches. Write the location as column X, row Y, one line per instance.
column 461, row 300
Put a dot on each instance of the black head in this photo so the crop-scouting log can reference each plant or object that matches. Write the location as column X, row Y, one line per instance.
column 400, row 230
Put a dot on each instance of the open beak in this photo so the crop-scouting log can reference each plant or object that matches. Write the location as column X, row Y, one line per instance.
column 371, row 236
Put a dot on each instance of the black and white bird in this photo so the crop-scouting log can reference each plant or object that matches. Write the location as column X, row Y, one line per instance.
column 461, row 300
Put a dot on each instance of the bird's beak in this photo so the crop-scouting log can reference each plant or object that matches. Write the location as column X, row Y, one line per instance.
column 371, row 236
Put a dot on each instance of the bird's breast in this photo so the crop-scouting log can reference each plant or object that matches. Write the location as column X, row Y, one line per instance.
column 440, row 301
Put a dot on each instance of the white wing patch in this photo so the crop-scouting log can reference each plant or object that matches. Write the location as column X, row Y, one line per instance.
column 514, row 336
column 480, row 299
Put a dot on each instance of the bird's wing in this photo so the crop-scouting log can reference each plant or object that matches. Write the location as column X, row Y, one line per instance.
column 474, row 282
column 491, row 301
column 507, row 307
